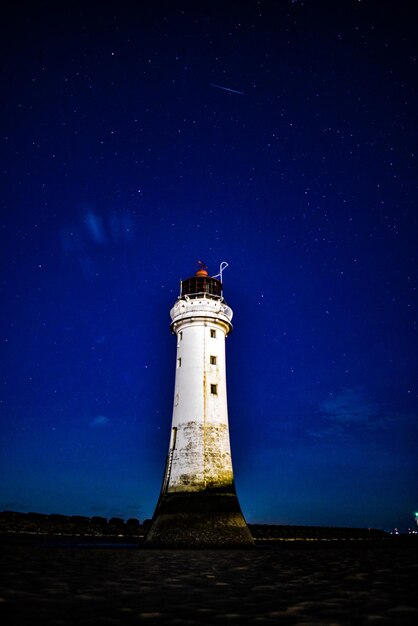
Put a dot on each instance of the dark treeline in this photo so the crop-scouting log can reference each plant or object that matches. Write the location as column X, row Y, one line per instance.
column 56, row 524
column 96, row 526
column 275, row 532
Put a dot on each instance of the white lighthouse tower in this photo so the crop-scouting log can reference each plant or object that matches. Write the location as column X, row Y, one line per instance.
column 198, row 505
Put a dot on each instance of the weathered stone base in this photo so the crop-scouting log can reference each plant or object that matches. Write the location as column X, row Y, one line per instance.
column 198, row 520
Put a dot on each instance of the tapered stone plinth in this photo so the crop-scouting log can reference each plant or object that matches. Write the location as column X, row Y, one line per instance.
column 198, row 520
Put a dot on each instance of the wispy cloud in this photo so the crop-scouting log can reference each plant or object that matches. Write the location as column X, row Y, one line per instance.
column 349, row 407
column 345, row 414
column 96, row 228
column 99, row 421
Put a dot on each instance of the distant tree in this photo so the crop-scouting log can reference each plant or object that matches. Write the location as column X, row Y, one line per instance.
column 58, row 524
column 35, row 522
column 10, row 521
column 79, row 524
column 39, row 517
column 132, row 526
column 96, row 520
column 116, row 526
column 57, row 517
column 80, row 519
column 98, row 525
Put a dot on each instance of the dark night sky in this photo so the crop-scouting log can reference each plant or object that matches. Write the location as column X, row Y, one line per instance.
column 122, row 164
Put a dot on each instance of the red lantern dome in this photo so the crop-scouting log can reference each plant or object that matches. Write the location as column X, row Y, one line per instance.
column 203, row 270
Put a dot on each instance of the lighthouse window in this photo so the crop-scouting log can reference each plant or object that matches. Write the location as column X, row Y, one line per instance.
column 181, row 335
column 212, row 332
column 214, row 390
column 213, row 360
column 179, row 362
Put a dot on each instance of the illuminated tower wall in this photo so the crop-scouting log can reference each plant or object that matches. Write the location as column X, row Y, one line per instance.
column 198, row 505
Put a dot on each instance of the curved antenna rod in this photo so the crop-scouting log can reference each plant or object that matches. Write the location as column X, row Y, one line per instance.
column 222, row 267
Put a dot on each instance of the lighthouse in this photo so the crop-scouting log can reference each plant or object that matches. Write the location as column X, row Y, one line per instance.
column 198, row 504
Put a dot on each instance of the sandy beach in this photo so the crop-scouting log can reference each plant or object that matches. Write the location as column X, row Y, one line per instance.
column 318, row 583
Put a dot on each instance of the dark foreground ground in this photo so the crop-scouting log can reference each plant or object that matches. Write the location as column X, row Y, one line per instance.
column 294, row 583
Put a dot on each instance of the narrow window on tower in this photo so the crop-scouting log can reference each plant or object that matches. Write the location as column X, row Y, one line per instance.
column 213, row 360
column 179, row 362
column 180, row 335
column 214, row 390
column 212, row 332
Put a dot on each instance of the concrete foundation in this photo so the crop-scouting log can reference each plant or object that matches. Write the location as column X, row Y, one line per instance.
column 198, row 520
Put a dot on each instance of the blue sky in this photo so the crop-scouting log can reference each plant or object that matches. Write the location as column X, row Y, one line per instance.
column 123, row 164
